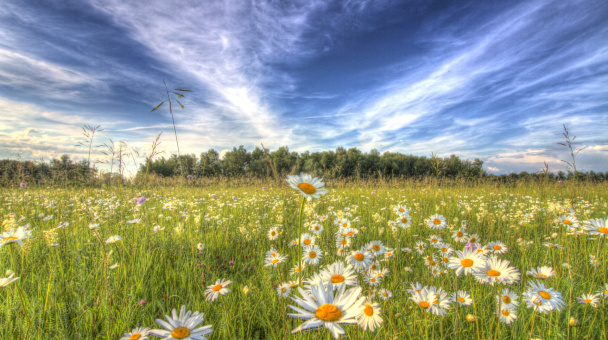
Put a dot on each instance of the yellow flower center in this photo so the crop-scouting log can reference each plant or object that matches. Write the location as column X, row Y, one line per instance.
column 466, row 263
column 337, row 278
column 506, row 299
column 505, row 312
column 376, row 247
column 312, row 254
column 401, row 210
column 493, row 272
column 275, row 261
column 446, row 260
column 368, row 310
column 445, row 250
column 404, row 220
column 432, row 263
column 568, row 222
column 384, row 294
column 216, row 288
column 135, row 336
column 307, row 188
column 351, row 233
column 424, row 304
column 497, row 247
column 180, row 332
column 459, row 234
column 306, row 242
column 437, row 221
column 328, row 312
column 9, row 238
column 359, row 257
column 272, row 233
column 283, row 290
column 587, row 301
column 461, row 299
column 316, row 228
column 472, row 240
column 344, row 242
column 373, row 267
column 544, row 295
column 541, row 276
column 603, row 230
column 434, row 240
column 345, row 225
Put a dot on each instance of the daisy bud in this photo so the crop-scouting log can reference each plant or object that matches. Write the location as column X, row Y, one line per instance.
column 397, row 315
column 245, row 290
column 573, row 322
column 471, row 318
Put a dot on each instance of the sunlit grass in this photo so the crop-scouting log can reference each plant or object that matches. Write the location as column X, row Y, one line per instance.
column 70, row 292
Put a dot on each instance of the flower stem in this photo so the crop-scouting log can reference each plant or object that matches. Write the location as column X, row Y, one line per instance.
column 300, row 240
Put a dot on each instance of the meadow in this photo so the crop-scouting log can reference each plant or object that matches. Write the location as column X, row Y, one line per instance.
column 382, row 260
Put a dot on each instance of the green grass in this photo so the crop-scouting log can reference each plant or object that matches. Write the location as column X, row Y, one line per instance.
column 70, row 292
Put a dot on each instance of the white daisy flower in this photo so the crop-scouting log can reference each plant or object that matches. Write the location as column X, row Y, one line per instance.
column 182, row 326
column 213, row 291
column 307, row 185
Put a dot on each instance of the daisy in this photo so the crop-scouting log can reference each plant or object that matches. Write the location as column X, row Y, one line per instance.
column 462, row 298
column 296, row 269
column 339, row 274
column 113, row 239
column 326, row 309
column 420, row 247
column 307, row 239
column 284, row 290
column 273, row 233
column 437, row 222
column 441, row 303
column 467, row 261
column 8, row 280
column 460, row 236
column 404, row 221
column 312, row 254
column 416, row 288
column 589, row 299
column 214, row 291
column 13, row 236
column 182, row 326
column 274, row 259
column 139, row 333
column 401, row 210
column 343, row 242
column 307, row 185
column 361, row 259
column 507, row 315
column 569, row 221
column 542, row 273
column 200, row 246
column 388, row 253
column 434, row 240
column 369, row 317
column 373, row 280
column 498, row 247
column 542, row 298
column 157, row 228
column 385, row 294
column 507, row 299
column 473, row 239
column 445, row 249
column 294, row 242
column 598, row 226
column 497, row 271
column 376, row 248
column 316, row 228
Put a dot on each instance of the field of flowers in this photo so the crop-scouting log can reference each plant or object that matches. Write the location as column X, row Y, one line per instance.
column 305, row 261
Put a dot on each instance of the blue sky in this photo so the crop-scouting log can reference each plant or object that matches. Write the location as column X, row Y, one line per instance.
column 494, row 80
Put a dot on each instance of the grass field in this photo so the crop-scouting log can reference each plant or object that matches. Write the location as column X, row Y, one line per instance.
column 78, row 281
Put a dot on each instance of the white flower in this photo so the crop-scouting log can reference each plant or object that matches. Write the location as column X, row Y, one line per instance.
column 182, row 326
column 113, row 239
column 308, row 186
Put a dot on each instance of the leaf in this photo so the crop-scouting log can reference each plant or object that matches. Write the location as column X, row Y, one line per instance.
column 179, row 95
column 182, row 90
column 180, row 104
column 157, row 106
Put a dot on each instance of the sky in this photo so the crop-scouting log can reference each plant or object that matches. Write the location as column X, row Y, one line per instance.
column 494, row 80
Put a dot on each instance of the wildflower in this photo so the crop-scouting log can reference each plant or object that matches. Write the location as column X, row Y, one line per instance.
column 507, row 299
column 404, row 221
column 385, row 294
column 542, row 273
column 369, row 316
column 114, row 266
column 542, row 298
column 459, row 235
column 573, row 322
column 498, row 247
column 569, row 221
column 589, row 299
column 284, row 290
column 312, row 254
column 8, row 280
column 316, row 228
column 273, row 233
column 22, row 185
column 497, row 271
column 471, row 318
column 467, row 262
column 598, row 226
column 213, row 291
column 246, row 290
column 182, row 326
column 339, row 274
column 424, row 299
column 507, row 315
column 15, row 236
column 361, row 259
column 326, row 309
column 200, row 246
column 376, row 248
column 462, row 298
column 307, row 239
column 274, row 260
column 604, row 293
column 143, row 302
column 141, row 200
column 437, row 222
column 307, row 185
column 139, row 333
column 113, row 239
column 157, row 228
